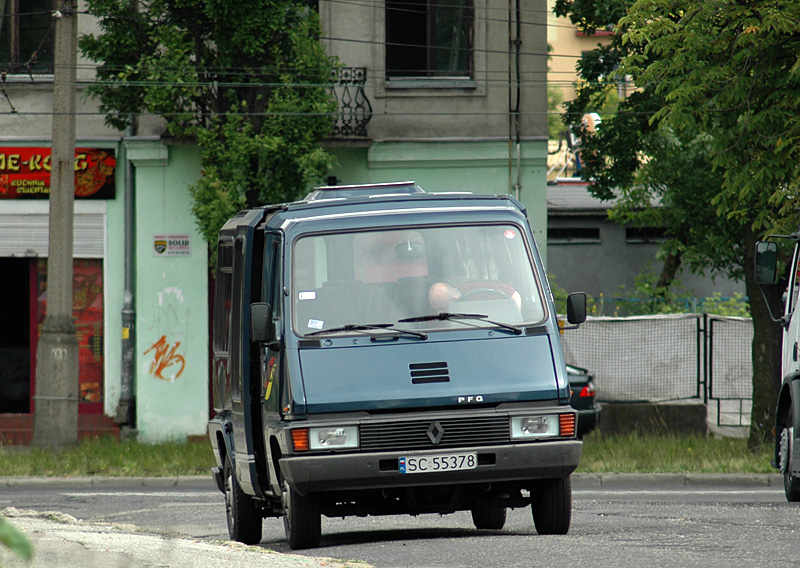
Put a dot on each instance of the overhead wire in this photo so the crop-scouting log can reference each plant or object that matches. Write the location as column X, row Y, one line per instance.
column 376, row 75
column 395, row 44
column 370, row 82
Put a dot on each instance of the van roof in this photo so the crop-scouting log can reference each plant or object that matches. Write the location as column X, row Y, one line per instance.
column 363, row 199
column 363, row 190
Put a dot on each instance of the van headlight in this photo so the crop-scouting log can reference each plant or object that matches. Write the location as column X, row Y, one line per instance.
column 333, row 438
column 534, row 427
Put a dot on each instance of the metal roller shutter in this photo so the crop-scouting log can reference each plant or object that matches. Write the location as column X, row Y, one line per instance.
column 26, row 234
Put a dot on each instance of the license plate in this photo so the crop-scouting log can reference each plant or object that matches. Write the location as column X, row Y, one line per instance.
column 442, row 462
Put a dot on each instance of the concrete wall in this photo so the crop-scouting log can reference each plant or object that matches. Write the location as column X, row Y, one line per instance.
column 437, row 108
column 171, row 298
column 611, row 266
column 478, row 167
column 445, row 134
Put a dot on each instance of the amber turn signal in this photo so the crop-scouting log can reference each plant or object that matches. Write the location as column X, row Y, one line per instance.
column 300, row 439
column 566, row 423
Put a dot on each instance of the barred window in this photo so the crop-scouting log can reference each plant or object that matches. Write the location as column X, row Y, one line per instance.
column 644, row 235
column 573, row 235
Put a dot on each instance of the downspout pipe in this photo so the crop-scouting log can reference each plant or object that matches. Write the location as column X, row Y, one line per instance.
column 515, row 40
column 126, row 408
column 518, row 45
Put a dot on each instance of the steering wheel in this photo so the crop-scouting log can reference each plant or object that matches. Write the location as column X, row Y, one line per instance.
column 498, row 294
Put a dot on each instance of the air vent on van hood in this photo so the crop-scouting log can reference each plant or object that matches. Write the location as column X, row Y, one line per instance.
column 422, row 373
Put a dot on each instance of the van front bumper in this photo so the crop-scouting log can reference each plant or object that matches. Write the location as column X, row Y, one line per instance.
column 312, row 473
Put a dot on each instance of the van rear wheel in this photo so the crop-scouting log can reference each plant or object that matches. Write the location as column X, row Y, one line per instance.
column 243, row 513
column 551, row 505
column 791, row 484
column 301, row 519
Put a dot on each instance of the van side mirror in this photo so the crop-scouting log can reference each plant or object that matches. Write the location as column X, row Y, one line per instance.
column 576, row 308
column 261, row 328
column 766, row 265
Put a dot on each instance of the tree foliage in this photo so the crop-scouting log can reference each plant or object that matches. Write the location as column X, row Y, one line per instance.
column 711, row 131
column 729, row 69
column 246, row 80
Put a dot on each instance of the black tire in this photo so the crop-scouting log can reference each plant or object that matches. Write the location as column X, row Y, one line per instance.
column 791, row 484
column 301, row 519
column 551, row 505
column 242, row 511
column 489, row 518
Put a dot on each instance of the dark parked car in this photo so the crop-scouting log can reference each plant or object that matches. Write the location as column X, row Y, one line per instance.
column 583, row 399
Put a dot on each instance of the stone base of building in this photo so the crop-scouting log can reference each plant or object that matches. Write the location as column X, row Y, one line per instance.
column 17, row 429
column 649, row 418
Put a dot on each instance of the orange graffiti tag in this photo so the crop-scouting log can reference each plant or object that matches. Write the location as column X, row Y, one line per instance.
column 165, row 357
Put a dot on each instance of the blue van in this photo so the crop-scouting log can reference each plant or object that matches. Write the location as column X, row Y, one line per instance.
column 382, row 350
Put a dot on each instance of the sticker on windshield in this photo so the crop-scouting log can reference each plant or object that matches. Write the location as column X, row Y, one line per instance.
column 509, row 234
column 307, row 296
column 315, row 324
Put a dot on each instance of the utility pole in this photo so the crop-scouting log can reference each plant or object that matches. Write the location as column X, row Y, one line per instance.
column 57, row 387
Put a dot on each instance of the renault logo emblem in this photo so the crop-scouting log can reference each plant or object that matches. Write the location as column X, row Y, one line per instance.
column 435, row 432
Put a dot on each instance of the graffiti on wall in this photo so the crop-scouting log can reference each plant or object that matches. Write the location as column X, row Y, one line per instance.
column 166, row 359
column 170, row 327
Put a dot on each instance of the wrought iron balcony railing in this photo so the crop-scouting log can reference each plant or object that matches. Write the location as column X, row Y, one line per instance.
column 355, row 110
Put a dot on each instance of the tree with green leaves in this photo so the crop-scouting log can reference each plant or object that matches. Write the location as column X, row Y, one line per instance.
column 247, row 81
column 711, row 131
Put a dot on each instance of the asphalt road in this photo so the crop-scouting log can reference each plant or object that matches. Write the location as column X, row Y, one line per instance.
column 621, row 521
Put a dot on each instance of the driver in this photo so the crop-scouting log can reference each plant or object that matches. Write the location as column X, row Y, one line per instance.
column 441, row 294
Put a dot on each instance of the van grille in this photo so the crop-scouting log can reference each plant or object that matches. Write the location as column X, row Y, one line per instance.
column 423, row 373
column 413, row 435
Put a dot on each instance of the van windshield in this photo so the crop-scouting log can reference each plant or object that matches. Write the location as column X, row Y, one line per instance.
column 346, row 280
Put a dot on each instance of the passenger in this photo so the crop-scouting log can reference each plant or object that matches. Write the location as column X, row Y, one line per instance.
column 441, row 294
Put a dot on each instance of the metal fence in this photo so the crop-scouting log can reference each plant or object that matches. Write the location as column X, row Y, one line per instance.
column 669, row 358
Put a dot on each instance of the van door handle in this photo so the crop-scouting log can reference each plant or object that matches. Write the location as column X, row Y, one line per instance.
column 794, row 352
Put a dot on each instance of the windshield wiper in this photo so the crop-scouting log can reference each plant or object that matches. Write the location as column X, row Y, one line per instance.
column 449, row 316
column 368, row 327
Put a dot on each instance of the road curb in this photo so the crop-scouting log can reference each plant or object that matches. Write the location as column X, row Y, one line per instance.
column 628, row 480
column 579, row 480
column 185, row 482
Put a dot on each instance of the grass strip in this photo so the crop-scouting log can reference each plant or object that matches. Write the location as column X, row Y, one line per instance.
column 633, row 453
column 636, row 453
column 108, row 457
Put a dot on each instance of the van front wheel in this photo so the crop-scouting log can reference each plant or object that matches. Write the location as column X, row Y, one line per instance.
column 244, row 516
column 301, row 519
column 551, row 505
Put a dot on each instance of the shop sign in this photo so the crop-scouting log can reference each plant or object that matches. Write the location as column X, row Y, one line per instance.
column 25, row 173
column 172, row 245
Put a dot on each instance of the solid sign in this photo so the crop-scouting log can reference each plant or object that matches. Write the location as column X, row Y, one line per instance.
column 172, row 245
column 25, row 173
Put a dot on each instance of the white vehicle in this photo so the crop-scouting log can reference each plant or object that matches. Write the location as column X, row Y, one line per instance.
column 787, row 413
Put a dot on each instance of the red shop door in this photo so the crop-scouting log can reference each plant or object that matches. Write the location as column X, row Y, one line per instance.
column 88, row 314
